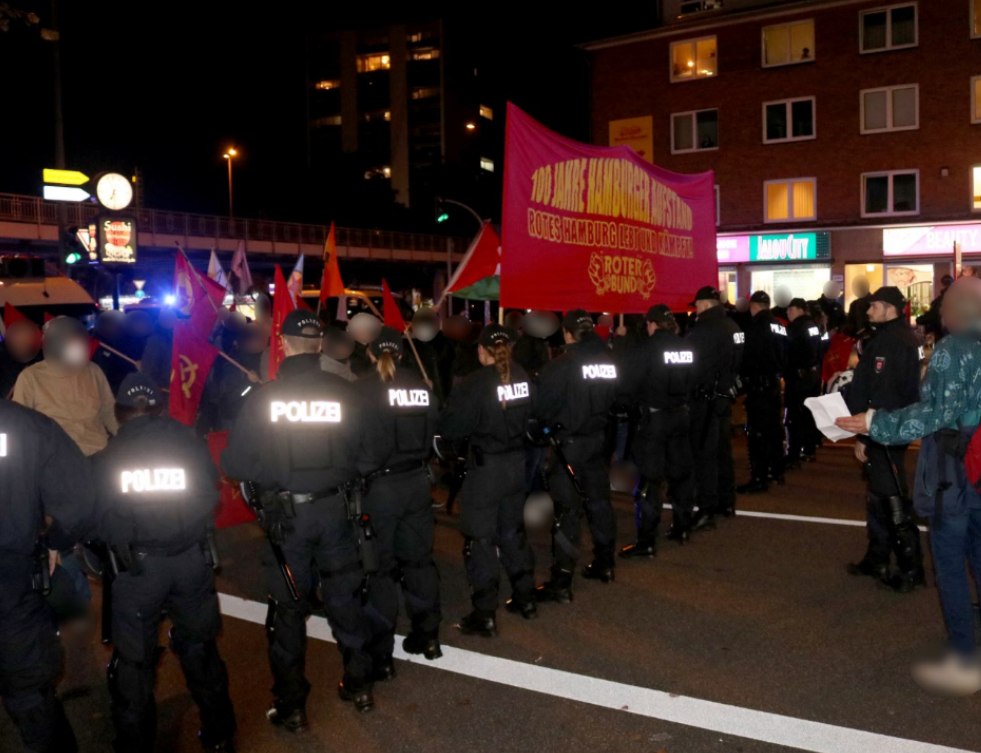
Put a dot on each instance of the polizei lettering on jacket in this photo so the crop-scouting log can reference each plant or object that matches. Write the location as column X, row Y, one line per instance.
column 679, row 356
column 813, row 332
column 778, row 329
column 307, row 412
column 599, row 371
column 512, row 391
column 156, row 480
column 408, row 398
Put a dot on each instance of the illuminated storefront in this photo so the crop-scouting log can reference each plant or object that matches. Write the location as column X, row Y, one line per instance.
column 801, row 262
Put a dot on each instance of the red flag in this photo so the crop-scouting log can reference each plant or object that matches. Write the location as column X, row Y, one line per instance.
column 47, row 317
column 231, row 510
column 483, row 259
column 189, row 366
column 301, row 304
column 331, row 285
column 282, row 305
column 12, row 316
column 94, row 346
column 393, row 316
column 198, row 296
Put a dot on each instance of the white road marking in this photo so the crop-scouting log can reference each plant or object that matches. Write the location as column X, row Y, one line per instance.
column 799, row 734
column 802, row 518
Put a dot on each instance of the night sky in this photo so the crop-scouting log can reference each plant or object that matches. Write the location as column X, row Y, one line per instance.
column 167, row 86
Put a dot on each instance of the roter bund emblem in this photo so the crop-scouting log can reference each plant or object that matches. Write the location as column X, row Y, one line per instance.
column 185, row 293
column 621, row 274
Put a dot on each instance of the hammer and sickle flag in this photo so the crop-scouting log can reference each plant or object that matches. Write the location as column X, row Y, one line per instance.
column 192, row 360
column 198, row 296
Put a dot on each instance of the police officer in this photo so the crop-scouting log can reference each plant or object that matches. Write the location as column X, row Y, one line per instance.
column 400, row 420
column 491, row 407
column 298, row 437
column 157, row 490
column 47, row 493
column 887, row 377
column 764, row 360
column 803, row 380
column 576, row 393
column 717, row 343
column 657, row 377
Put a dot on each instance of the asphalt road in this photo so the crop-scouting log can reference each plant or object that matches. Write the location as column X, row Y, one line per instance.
column 752, row 639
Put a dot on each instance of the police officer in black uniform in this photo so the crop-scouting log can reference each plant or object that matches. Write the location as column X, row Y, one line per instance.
column 805, row 350
column 157, row 490
column 491, row 407
column 764, row 360
column 717, row 342
column 657, row 378
column 576, row 392
column 298, row 438
column 888, row 377
column 400, row 420
column 47, row 494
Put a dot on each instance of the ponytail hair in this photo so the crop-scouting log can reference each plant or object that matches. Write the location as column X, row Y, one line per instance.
column 386, row 366
column 502, row 360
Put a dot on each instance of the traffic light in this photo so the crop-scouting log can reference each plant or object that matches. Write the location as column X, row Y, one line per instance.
column 441, row 214
column 71, row 245
column 443, row 217
column 73, row 257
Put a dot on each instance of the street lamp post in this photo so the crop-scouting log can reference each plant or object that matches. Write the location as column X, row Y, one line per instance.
column 229, row 156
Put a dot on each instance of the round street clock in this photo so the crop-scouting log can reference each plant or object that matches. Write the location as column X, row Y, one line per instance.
column 114, row 191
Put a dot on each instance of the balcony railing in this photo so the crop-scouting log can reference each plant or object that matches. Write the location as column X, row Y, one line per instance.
column 37, row 211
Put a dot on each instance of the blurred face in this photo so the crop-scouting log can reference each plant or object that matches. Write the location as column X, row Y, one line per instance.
column 755, row 308
column 75, row 353
column 364, row 328
column 793, row 312
column 702, row 306
column 23, row 341
column 860, row 288
column 880, row 312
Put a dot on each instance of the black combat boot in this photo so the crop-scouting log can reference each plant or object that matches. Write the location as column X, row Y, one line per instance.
column 681, row 535
column 294, row 721
column 478, row 623
column 525, row 608
column 754, row 486
column 384, row 670
column 558, row 588
column 602, row 567
column 704, row 521
column 639, row 550
column 903, row 583
column 360, row 696
column 426, row 645
column 878, row 571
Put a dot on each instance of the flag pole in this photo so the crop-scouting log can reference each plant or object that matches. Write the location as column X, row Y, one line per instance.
column 117, row 353
column 253, row 377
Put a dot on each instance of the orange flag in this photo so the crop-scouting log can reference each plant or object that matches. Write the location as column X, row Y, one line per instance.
column 331, row 285
column 189, row 366
column 393, row 317
column 282, row 305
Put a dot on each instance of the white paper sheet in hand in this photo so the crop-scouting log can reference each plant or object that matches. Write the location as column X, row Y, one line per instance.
column 825, row 410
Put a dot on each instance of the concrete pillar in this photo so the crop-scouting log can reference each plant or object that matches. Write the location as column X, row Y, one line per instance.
column 398, row 88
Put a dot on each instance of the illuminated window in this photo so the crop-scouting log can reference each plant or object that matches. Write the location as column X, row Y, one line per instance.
column 486, row 112
column 328, row 120
column 787, row 44
column 429, row 53
column 790, row 120
column 976, row 18
column 378, row 172
column 694, row 131
column 377, row 115
column 892, row 193
column 487, row 164
column 976, row 185
column 891, row 28
column 976, row 99
column 693, row 58
column 425, row 92
column 892, row 108
column 377, row 62
column 790, row 200
column 330, row 83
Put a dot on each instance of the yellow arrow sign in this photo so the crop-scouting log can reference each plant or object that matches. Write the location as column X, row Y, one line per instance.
column 65, row 177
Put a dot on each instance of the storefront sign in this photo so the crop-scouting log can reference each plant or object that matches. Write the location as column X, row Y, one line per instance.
column 117, row 240
column 929, row 240
column 787, row 247
column 637, row 133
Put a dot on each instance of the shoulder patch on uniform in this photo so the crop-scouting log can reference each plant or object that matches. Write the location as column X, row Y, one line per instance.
column 739, row 338
column 880, row 364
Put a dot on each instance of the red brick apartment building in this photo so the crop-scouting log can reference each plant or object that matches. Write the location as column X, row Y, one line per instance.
column 853, row 125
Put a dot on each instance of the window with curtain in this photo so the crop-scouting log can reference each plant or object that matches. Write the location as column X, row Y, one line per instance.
column 791, row 200
column 787, row 44
column 976, row 18
column 790, row 120
column 896, row 192
column 694, row 58
column 694, row 131
column 976, row 98
column 892, row 108
column 888, row 28
column 975, row 185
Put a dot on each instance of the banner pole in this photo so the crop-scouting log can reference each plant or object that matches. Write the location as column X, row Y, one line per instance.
column 412, row 344
column 117, row 353
column 253, row 377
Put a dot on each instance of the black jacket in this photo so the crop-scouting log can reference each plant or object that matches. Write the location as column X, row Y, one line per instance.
column 805, row 347
column 765, row 355
column 718, row 344
column 156, row 486
column 578, row 389
column 888, row 374
column 400, row 420
column 10, row 369
column 299, row 433
column 659, row 373
column 42, row 472
column 492, row 414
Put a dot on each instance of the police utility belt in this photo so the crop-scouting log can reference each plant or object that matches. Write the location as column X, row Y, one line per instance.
column 405, row 467
column 306, row 497
column 129, row 559
column 680, row 408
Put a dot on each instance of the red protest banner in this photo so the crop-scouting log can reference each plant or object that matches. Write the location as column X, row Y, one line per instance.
column 599, row 228
column 232, row 509
column 282, row 305
column 392, row 314
column 198, row 296
column 189, row 366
